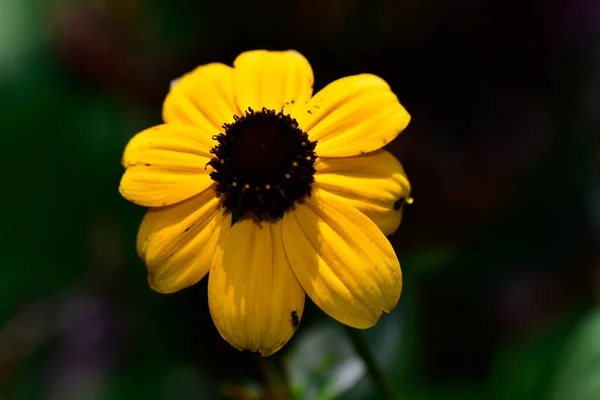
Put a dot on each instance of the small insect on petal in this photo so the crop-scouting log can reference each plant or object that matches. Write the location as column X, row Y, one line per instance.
column 295, row 320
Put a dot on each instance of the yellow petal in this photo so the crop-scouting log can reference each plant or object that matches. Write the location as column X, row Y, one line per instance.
column 177, row 242
column 272, row 79
column 203, row 97
column 374, row 183
column 353, row 115
column 342, row 260
column 251, row 289
column 165, row 165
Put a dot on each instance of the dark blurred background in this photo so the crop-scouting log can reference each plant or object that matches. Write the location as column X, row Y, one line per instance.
column 499, row 251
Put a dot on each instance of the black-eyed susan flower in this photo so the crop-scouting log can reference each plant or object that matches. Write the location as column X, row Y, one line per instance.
column 274, row 193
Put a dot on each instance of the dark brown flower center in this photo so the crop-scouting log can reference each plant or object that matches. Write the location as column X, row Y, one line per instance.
column 263, row 163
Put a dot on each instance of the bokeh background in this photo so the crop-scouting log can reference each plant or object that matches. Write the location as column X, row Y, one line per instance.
column 500, row 251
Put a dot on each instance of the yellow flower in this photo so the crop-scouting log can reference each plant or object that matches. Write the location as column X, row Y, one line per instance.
column 276, row 192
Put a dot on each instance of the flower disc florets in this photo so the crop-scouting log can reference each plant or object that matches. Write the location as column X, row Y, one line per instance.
column 262, row 164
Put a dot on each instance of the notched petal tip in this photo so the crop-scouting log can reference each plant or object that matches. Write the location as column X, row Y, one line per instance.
column 342, row 260
column 264, row 352
column 374, row 183
column 165, row 165
column 275, row 80
column 202, row 98
column 270, row 351
column 353, row 115
column 169, row 238
column 251, row 288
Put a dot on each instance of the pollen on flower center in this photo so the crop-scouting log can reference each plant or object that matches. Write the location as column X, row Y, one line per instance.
column 262, row 164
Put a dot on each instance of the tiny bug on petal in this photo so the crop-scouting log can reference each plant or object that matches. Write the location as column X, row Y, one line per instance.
column 295, row 320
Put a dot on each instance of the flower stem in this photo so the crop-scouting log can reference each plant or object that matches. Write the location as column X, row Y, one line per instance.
column 363, row 350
